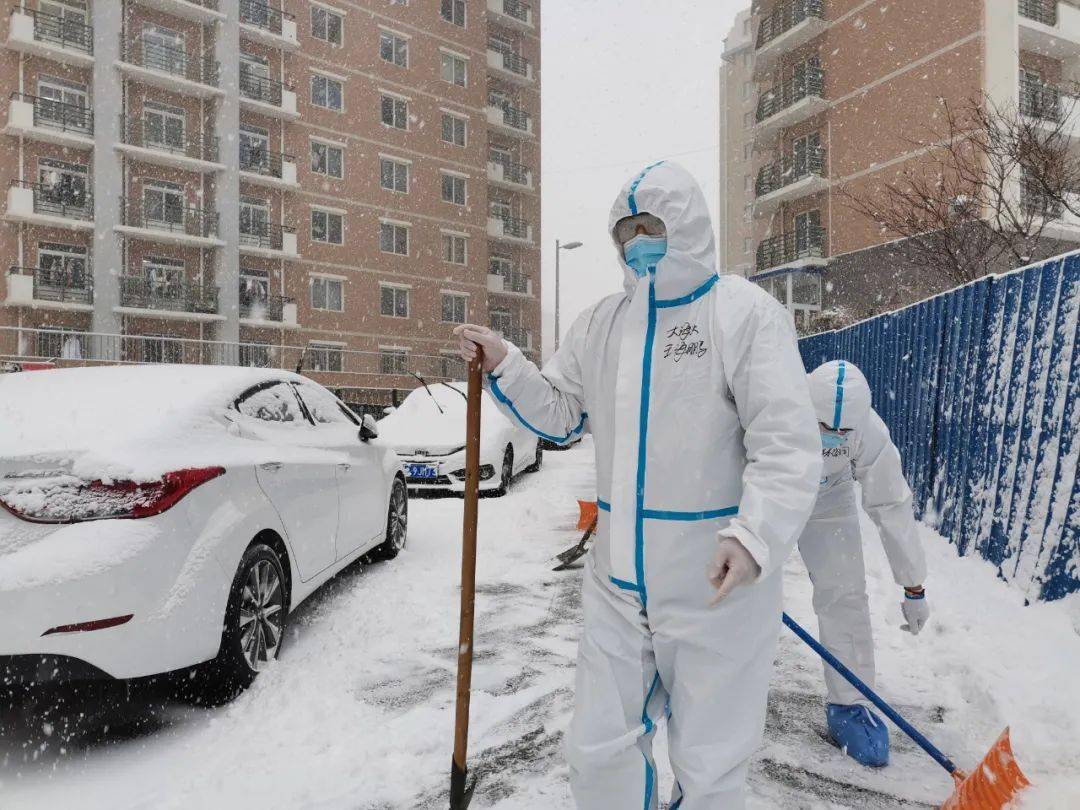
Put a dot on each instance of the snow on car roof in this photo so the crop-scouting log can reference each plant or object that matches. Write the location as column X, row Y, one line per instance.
column 417, row 422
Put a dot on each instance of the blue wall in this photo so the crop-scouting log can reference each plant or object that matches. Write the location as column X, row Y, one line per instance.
column 980, row 388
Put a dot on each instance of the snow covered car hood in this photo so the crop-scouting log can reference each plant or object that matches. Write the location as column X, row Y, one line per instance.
column 418, row 424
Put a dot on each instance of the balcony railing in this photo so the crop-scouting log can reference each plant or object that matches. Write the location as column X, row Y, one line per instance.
column 198, row 146
column 790, row 169
column 517, row 335
column 174, row 61
column 60, row 199
column 513, row 226
column 262, row 15
column 260, row 88
column 790, row 92
column 262, row 161
column 514, row 117
column 784, row 16
column 1043, row 11
column 1039, row 100
column 65, row 32
column 513, row 282
column 175, row 296
column 182, row 219
column 516, row 9
column 59, row 115
column 515, row 63
column 59, row 285
column 265, row 308
column 263, row 235
column 789, row 247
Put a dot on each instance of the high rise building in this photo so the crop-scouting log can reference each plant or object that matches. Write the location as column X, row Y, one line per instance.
column 738, row 101
column 225, row 181
column 847, row 94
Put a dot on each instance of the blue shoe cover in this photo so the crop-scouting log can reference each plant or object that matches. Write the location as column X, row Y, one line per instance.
column 860, row 733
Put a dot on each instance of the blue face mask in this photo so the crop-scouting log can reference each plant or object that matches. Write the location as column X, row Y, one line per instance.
column 830, row 440
column 644, row 251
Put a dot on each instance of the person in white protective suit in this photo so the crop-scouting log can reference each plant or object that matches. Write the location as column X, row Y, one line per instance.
column 707, row 462
column 856, row 447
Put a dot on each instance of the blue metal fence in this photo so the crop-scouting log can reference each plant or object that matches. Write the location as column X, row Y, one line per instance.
column 980, row 388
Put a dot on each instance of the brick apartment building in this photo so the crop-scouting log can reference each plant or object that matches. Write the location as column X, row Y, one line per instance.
column 823, row 94
column 227, row 181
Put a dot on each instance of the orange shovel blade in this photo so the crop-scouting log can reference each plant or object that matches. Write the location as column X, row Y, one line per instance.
column 587, row 514
column 994, row 783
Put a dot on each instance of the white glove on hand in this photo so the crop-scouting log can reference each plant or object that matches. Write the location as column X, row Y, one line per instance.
column 915, row 610
column 732, row 566
column 471, row 337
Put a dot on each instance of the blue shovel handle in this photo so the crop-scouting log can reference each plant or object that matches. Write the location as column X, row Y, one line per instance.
column 872, row 696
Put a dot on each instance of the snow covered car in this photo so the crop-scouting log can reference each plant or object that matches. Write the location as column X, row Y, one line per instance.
column 159, row 517
column 428, row 433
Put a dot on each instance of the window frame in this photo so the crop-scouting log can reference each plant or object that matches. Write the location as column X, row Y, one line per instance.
column 329, row 81
column 456, row 297
column 396, row 40
column 314, row 280
column 452, row 239
column 395, row 109
column 327, row 214
column 395, row 300
column 455, row 119
column 329, row 147
column 327, row 13
column 397, row 165
column 395, row 226
column 455, row 61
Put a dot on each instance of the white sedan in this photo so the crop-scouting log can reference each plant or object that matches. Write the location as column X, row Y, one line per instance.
column 159, row 517
column 428, row 433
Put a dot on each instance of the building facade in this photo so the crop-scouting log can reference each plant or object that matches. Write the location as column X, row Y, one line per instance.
column 738, row 101
column 331, row 185
column 847, row 93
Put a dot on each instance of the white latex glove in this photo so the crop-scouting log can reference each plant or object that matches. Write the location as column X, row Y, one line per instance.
column 732, row 566
column 470, row 336
column 916, row 610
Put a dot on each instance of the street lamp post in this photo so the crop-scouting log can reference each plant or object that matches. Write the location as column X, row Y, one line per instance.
column 560, row 247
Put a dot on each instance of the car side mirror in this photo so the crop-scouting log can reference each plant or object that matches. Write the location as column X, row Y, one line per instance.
column 368, row 428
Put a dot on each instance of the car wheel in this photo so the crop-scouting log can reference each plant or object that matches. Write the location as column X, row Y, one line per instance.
column 536, row 465
column 397, row 523
column 507, row 473
column 254, row 626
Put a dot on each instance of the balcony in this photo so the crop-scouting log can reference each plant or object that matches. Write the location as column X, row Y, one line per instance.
column 510, row 175
column 169, row 68
column 791, row 101
column 268, row 241
column 64, row 40
column 1048, row 107
column 49, row 289
column 791, row 177
column 171, row 224
column 511, row 13
column 509, row 120
column 788, row 25
column 510, row 229
column 264, row 168
column 43, row 119
column 791, row 251
column 1049, row 28
column 58, row 204
column 272, row 310
column 261, row 22
column 196, row 152
column 505, row 64
column 517, row 335
column 204, row 12
column 509, row 284
column 181, row 300
column 263, row 95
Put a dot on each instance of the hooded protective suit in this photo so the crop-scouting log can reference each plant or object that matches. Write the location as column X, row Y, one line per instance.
column 831, row 544
column 693, row 389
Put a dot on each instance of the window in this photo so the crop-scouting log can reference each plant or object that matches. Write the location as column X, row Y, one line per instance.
column 453, row 69
column 163, row 126
column 63, row 185
column 326, row 92
column 453, row 248
column 394, row 238
column 394, row 175
column 394, row 48
column 52, row 343
column 323, row 406
column 163, row 204
column 747, row 89
column 254, row 290
column 748, row 150
column 327, row 159
column 453, row 11
column 326, row 25
column 454, row 308
column 327, row 293
column 808, row 234
column 255, row 221
column 746, row 245
column 62, row 102
column 163, row 49
column 748, row 183
column 395, row 112
column 451, row 366
column 63, row 265
column 254, row 149
column 326, row 226
column 747, row 120
column 162, row 349
column 453, row 129
column 395, row 301
column 394, row 361
column 748, row 213
column 255, row 355
column 453, row 189
column 274, row 403
column 324, row 357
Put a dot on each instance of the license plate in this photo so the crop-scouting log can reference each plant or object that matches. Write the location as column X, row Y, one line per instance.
column 421, row 470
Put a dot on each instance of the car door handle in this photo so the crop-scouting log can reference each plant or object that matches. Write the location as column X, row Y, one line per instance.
column 344, row 466
column 272, row 466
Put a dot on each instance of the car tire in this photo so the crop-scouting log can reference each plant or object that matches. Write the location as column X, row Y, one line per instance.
column 255, row 619
column 397, row 523
column 536, row 465
column 506, row 474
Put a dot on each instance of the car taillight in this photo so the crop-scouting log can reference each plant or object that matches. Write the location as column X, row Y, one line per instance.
column 68, row 500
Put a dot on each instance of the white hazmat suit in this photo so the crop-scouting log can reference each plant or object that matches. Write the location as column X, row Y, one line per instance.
column 692, row 387
column 831, row 543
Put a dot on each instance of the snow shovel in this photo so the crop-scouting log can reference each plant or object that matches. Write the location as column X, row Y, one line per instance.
column 586, row 514
column 576, row 552
column 994, row 783
column 461, row 792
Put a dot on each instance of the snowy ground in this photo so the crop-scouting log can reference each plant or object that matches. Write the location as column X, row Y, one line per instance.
column 358, row 712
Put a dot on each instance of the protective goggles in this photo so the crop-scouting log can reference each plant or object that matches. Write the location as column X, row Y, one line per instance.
column 629, row 227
